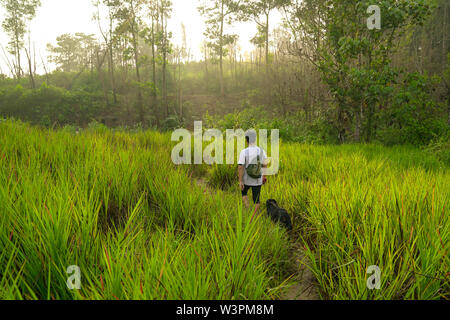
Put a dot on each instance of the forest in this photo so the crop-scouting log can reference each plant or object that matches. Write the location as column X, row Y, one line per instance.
column 358, row 91
column 320, row 76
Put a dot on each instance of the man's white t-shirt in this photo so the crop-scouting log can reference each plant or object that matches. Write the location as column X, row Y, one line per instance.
column 245, row 157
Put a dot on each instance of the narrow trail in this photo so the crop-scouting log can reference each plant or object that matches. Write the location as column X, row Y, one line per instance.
column 305, row 286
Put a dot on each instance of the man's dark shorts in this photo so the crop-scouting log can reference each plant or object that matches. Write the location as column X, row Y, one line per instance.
column 256, row 192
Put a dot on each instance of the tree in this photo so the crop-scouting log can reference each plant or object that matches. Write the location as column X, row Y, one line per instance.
column 151, row 36
column 257, row 8
column 31, row 58
column 165, row 9
column 354, row 60
column 109, row 36
column 130, row 25
column 183, row 56
column 73, row 53
column 18, row 14
column 218, row 13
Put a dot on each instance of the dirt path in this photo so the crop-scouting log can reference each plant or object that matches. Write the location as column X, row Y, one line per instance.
column 203, row 183
column 304, row 287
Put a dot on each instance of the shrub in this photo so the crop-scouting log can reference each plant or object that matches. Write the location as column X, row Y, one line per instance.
column 223, row 176
column 440, row 147
column 49, row 105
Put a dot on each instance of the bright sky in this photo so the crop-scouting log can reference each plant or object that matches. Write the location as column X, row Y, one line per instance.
column 56, row 17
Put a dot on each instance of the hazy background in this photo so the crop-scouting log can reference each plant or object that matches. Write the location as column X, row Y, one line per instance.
column 56, row 17
column 390, row 85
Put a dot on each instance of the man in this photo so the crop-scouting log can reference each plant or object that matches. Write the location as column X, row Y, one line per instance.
column 256, row 178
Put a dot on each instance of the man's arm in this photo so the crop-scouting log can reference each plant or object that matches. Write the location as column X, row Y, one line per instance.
column 265, row 165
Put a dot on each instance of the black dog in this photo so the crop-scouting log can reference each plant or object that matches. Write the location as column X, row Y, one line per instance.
column 278, row 214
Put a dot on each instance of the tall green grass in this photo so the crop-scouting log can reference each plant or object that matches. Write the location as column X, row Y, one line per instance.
column 137, row 226
column 140, row 227
column 369, row 205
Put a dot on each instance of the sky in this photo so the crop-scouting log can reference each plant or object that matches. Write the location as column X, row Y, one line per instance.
column 56, row 17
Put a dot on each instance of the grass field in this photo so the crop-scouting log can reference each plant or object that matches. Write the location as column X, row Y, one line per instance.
column 139, row 227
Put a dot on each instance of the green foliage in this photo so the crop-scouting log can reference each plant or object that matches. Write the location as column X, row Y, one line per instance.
column 413, row 117
column 373, row 101
column 73, row 52
column 440, row 147
column 291, row 128
column 70, row 129
column 97, row 127
column 223, row 176
column 50, row 105
column 217, row 14
column 18, row 14
column 355, row 61
column 171, row 123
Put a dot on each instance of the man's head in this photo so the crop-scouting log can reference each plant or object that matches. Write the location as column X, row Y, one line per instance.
column 250, row 136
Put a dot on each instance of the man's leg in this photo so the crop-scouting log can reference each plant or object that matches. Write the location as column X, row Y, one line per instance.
column 256, row 192
column 245, row 196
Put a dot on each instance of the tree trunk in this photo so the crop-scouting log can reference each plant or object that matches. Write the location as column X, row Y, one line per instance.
column 180, row 101
column 358, row 125
column 154, row 94
column 222, row 91
column 19, row 67
column 206, row 66
column 138, row 75
column 164, row 65
column 45, row 70
column 111, row 58
column 267, row 42
column 444, row 38
column 99, row 70
column 111, row 74
column 30, row 63
column 30, row 68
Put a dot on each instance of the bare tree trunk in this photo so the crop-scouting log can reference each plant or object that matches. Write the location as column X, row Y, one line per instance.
column 30, row 62
column 30, row 69
column 111, row 58
column 102, row 79
column 164, row 65
column 154, row 94
column 222, row 90
column 10, row 64
column 134, row 32
column 206, row 64
column 138, row 76
column 18, row 66
column 267, row 42
column 45, row 70
column 180, row 92
column 444, row 37
column 359, row 114
column 111, row 74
